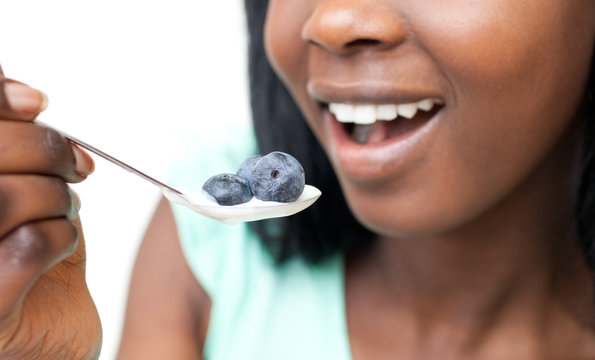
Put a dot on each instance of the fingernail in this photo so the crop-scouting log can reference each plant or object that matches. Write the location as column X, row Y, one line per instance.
column 84, row 163
column 24, row 99
column 44, row 101
column 76, row 205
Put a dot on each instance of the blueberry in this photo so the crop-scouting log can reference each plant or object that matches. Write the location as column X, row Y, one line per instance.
column 277, row 177
column 228, row 189
column 245, row 170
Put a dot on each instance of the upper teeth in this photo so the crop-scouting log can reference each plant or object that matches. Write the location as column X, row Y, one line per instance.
column 365, row 114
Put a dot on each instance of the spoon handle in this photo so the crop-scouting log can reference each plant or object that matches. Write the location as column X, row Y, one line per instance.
column 114, row 160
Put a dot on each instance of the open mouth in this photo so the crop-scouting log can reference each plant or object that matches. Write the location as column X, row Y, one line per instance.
column 369, row 124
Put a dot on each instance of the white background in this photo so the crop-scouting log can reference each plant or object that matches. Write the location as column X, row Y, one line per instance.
column 126, row 76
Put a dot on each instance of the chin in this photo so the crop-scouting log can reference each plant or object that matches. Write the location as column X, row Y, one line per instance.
column 393, row 215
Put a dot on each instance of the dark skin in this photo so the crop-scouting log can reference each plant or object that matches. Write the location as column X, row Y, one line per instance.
column 480, row 262
column 42, row 251
column 476, row 247
column 477, row 257
column 167, row 308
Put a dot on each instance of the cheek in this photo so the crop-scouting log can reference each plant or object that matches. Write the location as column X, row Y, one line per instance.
column 517, row 82
column 512, row 52
column 284, row 46
column 288, row 53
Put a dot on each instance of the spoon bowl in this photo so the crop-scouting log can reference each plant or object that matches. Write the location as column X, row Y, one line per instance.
column 252, row 210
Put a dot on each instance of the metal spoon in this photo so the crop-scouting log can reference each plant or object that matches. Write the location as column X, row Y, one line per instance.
column 251, row 211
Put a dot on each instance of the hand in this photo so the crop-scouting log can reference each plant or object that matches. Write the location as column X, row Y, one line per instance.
column 46, row 311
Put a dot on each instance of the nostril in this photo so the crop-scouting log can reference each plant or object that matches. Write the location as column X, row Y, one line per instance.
column 363, row 43
column 346, row 27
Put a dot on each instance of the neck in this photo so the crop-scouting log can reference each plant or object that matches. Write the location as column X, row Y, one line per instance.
column 482, row 271
column 518, row 266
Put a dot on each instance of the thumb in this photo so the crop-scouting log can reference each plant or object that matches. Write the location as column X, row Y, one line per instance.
column 19, row 101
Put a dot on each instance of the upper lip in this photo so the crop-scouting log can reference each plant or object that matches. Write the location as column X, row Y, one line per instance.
column 378, row 92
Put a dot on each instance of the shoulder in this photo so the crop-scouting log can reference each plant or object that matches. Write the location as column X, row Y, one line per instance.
column 168, row 310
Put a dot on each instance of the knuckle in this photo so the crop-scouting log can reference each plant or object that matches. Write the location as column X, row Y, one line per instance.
column 39, row 243
column 58, row 148
column 28, row 198
column 26, row 245
column 30, row 148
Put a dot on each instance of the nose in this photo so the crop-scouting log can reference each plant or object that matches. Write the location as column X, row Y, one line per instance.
column 344, row 27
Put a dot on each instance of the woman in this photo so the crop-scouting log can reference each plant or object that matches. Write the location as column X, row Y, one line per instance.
column 476, row 201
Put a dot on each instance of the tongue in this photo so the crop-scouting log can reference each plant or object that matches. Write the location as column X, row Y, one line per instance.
column 369, row 134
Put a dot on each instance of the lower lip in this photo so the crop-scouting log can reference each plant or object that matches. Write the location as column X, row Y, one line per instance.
column 378, row 160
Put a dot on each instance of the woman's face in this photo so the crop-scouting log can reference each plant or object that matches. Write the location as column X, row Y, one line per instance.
column 494, row 86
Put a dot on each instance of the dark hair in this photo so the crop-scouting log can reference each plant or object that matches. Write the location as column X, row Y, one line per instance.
column 585, row 210
column 329, row 227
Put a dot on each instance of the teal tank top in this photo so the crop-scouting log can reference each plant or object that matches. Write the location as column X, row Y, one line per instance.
column 259, row 310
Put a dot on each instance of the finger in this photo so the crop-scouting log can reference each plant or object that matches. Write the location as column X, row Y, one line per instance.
column 29, row 148
column 26, row 253
column 27, row 198
column 84, row 164
column 1, row 72
column 19, row 101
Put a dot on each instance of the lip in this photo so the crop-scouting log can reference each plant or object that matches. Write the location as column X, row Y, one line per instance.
column 374, row 162
column 378, row 92
column 366, row 162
